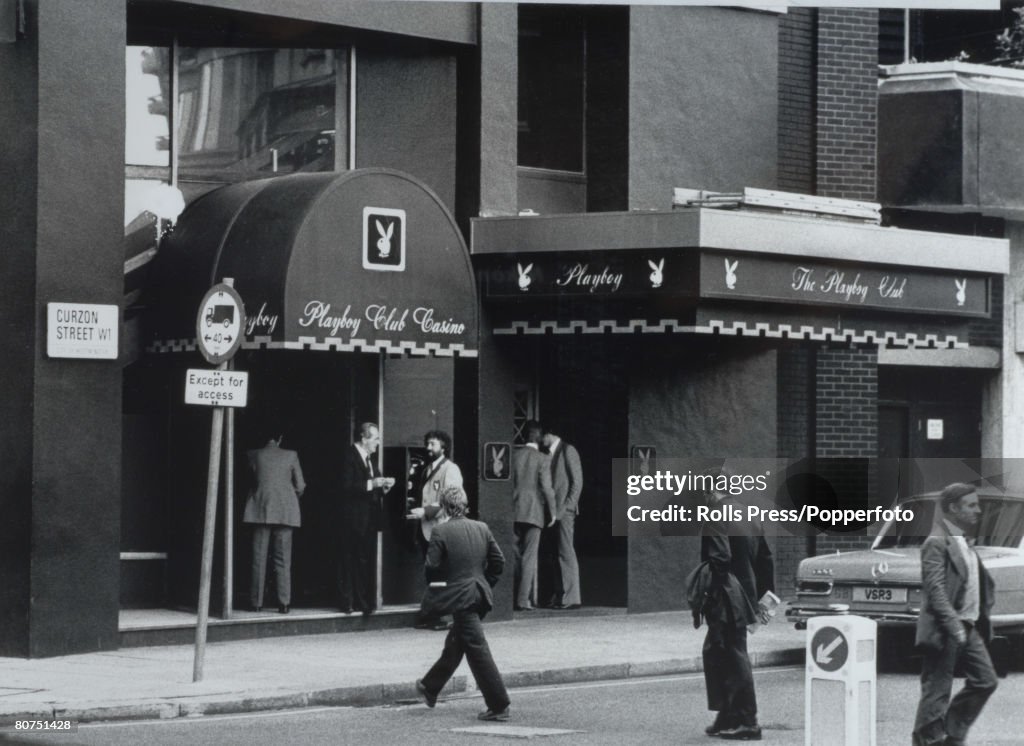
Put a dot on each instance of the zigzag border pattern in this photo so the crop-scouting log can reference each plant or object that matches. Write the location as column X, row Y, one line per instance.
column 330, row 344
column 738, row 329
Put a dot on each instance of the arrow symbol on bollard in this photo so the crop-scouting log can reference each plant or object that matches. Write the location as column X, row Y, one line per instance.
column 823, row 655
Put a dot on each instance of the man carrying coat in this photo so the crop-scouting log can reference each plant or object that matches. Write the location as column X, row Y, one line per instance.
column 463, row 564
column 532, row 499
column 953, row 628
column 742, row 571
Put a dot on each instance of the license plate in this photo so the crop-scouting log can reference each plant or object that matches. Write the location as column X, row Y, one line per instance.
column 877, row 595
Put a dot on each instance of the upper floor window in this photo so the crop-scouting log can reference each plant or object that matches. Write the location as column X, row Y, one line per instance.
column 551, row 88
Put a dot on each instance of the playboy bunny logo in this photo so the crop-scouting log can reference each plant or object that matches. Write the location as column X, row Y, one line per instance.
column 524, row 276
column 384, row 242
column 730, row 274
column 498, row 461
column 384, row 239
column 656, row 276
column 645, row 461
column 961, row 291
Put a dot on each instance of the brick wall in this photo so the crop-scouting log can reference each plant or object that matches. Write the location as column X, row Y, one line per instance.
column 846, row 428
column 797, row 100
column 847, row 103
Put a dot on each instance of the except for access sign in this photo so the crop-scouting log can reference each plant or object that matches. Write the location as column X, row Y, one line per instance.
column 82, row 330
column 220, row 323
column 216, row 388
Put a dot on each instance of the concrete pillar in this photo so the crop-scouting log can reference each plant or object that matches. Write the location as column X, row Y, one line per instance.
column 62, row 231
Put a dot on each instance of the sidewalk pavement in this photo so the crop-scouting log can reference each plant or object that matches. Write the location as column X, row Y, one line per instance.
column 358, row 668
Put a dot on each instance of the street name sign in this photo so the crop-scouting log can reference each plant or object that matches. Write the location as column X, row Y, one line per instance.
column 216, row 388
column 220, row 323
column 82, row 330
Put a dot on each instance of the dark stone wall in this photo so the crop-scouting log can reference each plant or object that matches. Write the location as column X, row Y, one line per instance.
column 406, row 116
column 66, row 234
column 19, row 101
column 698, row 78
column 692, row 400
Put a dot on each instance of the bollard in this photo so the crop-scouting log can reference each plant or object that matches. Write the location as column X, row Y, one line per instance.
column 840, row 698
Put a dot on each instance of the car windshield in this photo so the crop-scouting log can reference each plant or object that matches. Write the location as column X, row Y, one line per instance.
column 1002, row 524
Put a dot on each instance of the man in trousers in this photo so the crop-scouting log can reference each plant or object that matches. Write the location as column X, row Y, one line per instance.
column 463, row 564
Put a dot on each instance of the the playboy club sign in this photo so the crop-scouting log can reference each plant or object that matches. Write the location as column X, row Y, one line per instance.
column 596, row 274
column 816, row 282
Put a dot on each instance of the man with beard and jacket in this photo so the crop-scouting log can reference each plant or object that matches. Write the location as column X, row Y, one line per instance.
column 954, row 626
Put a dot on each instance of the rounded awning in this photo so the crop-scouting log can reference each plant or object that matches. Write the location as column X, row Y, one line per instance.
column 361, row 261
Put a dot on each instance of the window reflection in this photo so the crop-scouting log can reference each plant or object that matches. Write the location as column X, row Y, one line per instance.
column 255, row 111
column 147, row 90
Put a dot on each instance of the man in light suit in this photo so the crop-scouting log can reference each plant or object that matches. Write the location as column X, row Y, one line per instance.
column 362, row 489
column 953, row 628
column 273, row 511
column 567, row 482
column 533, row 498
column 463, row 564
column 438, row 473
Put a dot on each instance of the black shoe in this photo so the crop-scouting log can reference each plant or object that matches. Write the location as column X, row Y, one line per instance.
column 524, row 608
column 430, row 699
column 741, row 733
column 257, row 609
column 283, row 609
column 346, row 610
column 721, row 723
column 490, row 714
column 367, row 612
column 566, row 607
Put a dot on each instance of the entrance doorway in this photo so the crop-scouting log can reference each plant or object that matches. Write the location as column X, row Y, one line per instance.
column 582, row 393
column 317, row 401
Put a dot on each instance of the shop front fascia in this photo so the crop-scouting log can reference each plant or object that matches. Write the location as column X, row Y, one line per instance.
column 684, row 325
column 360, row 306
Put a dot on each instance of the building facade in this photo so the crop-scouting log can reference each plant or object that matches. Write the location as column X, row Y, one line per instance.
column 461, row 142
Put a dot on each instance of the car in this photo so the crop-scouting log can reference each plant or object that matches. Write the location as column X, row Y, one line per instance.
column 884, row 582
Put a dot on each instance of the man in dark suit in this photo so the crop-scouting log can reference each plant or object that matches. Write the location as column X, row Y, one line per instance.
column 953, row 628
column 742, row 571
column 273, row 509
column 463, row 564
column 532, row 499
column 362, row 488
column 567, row 482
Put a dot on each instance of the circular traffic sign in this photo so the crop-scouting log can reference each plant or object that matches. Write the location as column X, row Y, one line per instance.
column 219, row 323
column 829, row 649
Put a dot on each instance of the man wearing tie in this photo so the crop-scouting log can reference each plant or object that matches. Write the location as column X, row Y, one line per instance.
column 362, row 488
column 954, row 626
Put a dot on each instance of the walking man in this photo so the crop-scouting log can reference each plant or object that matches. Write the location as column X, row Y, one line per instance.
column 953, row 628
column 567, row 483
column 463, row 564
column 273, row 511
column 533, row 507
column 742, row 571
column 362, row 489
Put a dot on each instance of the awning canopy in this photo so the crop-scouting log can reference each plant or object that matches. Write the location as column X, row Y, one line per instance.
column 367, row 260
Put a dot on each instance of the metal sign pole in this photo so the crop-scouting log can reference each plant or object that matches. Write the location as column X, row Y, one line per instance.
column 229, row 511
column 206, row 570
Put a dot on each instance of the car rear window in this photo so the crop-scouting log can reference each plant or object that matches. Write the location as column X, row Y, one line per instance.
column 1002, row 524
